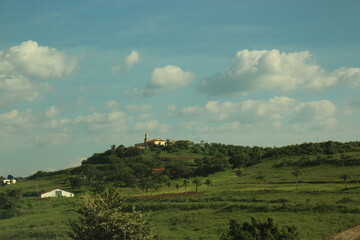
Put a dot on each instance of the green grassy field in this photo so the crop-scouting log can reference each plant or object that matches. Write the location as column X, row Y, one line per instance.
column 319, row 208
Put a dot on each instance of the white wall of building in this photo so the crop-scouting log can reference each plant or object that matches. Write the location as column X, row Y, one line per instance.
column 57, row 193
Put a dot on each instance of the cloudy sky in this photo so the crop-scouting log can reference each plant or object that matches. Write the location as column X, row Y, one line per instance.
column 79, row 76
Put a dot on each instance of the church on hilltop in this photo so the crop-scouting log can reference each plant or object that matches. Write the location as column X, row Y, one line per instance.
column 150, row 142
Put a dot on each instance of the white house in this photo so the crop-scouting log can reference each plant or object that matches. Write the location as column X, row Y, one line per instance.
column 9, row 181
column 56, row 193
column 150, row 142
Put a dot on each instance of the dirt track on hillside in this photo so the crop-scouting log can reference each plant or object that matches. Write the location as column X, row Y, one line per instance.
column 349, row 234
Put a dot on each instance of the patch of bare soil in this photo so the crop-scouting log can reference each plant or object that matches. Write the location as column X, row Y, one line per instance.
column 349, row 234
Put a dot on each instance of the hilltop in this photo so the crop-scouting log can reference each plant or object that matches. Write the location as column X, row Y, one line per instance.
column 236, row 182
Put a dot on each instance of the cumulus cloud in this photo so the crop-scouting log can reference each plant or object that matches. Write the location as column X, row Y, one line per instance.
column 168, row 78
column 14, row 122
column 314, row 110
column 247, row 111
column 352, row 106
column 42, row 62
column 111, row 104
column 226, row 127
column 24, row 66
column 52, row 112
column 134, row 92
column 274, row 113
column 52, row 139
column 75, row 162
column 18, row 88
column 114, row 121
column 151, row 125
column 275, row 70
column 128, row 62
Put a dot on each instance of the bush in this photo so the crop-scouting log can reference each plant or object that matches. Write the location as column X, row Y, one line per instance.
column 258, row 230
column 103, row 217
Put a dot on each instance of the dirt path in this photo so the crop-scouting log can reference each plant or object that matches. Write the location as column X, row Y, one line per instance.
column 349, row 234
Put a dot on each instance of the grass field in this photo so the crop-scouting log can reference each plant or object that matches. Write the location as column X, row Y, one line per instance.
column 319, row 208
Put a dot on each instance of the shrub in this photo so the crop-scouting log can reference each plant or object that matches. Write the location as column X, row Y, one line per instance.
column 258, row 230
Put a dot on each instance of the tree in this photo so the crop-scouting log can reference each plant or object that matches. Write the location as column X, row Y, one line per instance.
column 239, row 172
column 168, row 184
column 297, row 173
column 261, row 178
column 345, row 177
column 76, row 182
column 15, row 193
column 10, row 177
column 197, row 183
column 103, row 217
column 186, row 183
column 258, row 230
column 208, row 182
column 177, row 186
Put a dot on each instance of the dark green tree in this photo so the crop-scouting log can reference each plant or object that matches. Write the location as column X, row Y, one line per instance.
column 186, row 183
column 297, row 174
column 261, row 178
column 239, row 172
column 197, row 182
column 102, row 217
column 258, row 230
column 15, row 193
column 345, row 177
column 177, row 186
column 208, row 182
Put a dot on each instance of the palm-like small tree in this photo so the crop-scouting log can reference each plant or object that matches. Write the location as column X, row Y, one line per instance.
column 297, row 173
column 168, row 184
column 177, row 186
column 186, row 183
column 208, row 182
column 261, row 178
column 197, row 183
column 239, row 172
column 345, row 177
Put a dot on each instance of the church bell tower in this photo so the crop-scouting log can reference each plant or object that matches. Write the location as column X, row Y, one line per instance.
column 146, row 138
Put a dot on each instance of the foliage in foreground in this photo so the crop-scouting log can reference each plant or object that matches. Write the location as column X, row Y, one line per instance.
column 102, row 218
column 258, row 230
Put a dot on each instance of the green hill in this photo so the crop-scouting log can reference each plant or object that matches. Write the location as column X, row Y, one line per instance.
column 319, row 207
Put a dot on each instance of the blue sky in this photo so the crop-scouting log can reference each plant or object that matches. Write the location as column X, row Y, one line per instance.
column 79, row 76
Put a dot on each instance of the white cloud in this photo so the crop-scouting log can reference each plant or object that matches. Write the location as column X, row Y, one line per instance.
column 75, row 162
column 168, row 78
column 22, row 68
column 204, row 128
column 52, row 139
column 277, row 114
column 128, row 62
column 247, row 111
column 52, row 112
column 42, row 62
column 17, row 88
column 274, row 70
column 314, row 110
column 352, row 106
column 111, row 104
column 113, row 121
column 151, row 125
column 135, row 92
column 14, row 122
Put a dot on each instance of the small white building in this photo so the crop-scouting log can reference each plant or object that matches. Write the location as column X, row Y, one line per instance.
column 9, row 181
column 150, row 142
column 56, row 193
